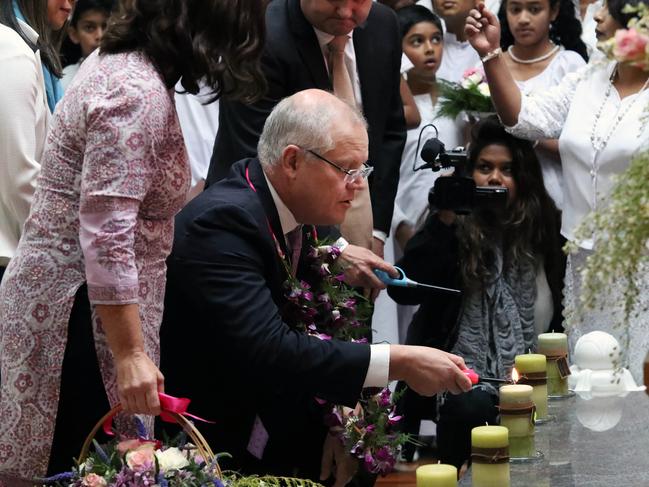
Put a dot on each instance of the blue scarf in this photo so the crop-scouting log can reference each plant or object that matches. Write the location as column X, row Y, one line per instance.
column 53, row 88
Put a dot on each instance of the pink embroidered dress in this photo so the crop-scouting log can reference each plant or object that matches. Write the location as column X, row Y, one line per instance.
column 114, row 174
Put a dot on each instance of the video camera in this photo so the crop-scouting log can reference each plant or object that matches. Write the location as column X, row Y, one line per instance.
column 459, row 191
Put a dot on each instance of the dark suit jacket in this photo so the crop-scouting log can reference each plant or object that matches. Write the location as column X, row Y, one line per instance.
column 292, row 62
column 224, row 344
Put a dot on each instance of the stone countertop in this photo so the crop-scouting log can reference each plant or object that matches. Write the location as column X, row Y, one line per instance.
column 601, row 442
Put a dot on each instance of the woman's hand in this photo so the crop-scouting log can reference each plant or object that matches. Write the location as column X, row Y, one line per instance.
column 482, row 30
column 138, row 383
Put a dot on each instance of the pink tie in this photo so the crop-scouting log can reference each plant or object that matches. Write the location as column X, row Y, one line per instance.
column 294, row 243
column 340, row 78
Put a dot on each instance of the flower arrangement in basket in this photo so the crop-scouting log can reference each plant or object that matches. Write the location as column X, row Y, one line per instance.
column 470, row 95
column 621, row 253
column 322, row 305
column 141, row 461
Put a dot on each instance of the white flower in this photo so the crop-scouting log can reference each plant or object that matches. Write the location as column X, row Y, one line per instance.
column 171, row 459
column 483, row 88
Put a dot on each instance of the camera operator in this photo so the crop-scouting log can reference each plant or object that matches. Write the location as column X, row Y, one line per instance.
column 507, row 263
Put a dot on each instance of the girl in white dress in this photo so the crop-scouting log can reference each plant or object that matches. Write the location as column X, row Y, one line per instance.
column 597, row 115
column 541, row 43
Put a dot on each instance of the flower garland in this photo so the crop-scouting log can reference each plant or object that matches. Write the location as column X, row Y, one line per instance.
column 322, row 305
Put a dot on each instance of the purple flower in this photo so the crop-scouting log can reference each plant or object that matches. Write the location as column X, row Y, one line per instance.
column 392, row 419
column 322, row 336
column 384, row 398
column 349, row 303
column 359, row 340
column 340, row 277
column 308, row 295
column 370, row 428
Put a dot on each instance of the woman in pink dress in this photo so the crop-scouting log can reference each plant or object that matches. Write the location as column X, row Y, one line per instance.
column 81, row 301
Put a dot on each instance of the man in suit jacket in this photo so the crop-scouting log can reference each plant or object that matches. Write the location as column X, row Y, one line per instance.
column 224, row 342
column 294, row 60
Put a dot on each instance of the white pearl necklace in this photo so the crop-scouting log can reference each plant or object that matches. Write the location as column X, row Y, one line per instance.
column 545, row 56
column 600, row 143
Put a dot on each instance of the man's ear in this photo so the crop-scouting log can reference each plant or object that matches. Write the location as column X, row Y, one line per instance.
column 290, row 161
column 72, row 33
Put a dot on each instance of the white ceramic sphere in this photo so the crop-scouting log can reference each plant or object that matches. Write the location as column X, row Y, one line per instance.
column 596, row 350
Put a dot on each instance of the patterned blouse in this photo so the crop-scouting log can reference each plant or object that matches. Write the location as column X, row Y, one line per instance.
column 114, row 174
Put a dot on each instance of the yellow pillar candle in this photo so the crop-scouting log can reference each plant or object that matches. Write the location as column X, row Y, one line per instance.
column 490, row 469
column 437, row 475
column 532, row 369
column 517, row 415
column 555, row 346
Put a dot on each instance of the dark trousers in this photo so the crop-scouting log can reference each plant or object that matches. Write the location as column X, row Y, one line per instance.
column 457, row 417
column 83, row 400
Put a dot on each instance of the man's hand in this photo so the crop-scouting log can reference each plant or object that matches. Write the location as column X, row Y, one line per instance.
column 427, row 370
column 334, row 457
column 359, row 264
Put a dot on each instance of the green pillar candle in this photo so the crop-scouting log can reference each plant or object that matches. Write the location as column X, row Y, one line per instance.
column 517, row 415
column 437, row 475
column 532, row 370
column 555, row 347
column 490, row 458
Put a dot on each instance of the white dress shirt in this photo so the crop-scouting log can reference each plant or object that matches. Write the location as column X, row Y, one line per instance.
column 23, row 127
column 573, row 111
column 379, row 367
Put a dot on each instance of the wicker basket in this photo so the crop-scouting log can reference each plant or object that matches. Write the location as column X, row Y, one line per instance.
column 197, row 438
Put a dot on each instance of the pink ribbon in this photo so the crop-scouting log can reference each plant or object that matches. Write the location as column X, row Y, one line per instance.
column 168, row 404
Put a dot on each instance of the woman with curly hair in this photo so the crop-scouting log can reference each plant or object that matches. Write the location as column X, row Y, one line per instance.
column 541, row 40
column 81, row 300
column 508, row 264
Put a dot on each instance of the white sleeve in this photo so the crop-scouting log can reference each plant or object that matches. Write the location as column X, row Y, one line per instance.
column 379, row 369
column 543, row 114
column 19, row 99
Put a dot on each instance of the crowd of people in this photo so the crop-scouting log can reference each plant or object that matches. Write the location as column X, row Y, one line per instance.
column 132, row 264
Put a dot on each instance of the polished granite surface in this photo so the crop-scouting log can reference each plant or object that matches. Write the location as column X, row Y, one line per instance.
column 601, row 442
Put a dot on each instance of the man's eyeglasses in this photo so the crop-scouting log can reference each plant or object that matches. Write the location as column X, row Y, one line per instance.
column 351, row 175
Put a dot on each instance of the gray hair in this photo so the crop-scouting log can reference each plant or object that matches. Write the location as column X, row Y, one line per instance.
column 306, row 121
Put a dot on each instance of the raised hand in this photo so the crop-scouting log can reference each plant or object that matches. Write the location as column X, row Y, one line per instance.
column 482, row 30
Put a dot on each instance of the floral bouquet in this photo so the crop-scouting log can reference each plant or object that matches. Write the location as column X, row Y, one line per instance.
column 631, row 45
column 470, row 95
column 369, row 432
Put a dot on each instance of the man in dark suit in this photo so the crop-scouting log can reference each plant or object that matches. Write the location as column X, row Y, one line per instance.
column 224, row 342
column 295, row 59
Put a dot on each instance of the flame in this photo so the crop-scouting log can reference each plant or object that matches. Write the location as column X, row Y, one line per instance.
column 515, row 376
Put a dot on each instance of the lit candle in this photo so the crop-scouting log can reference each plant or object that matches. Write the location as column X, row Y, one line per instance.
column 517, row 415
column 555, row 348
column 490, row 456
column 437, row 475
column 531, row 367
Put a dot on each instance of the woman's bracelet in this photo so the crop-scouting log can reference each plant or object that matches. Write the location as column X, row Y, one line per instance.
column 491, row 54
